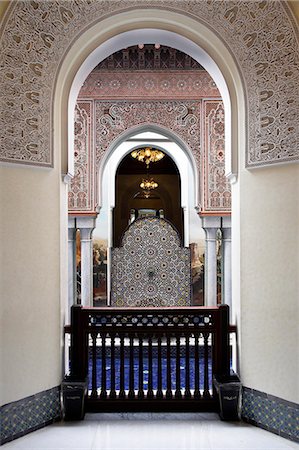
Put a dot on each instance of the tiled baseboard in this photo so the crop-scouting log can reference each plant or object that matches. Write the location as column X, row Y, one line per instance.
column 271, row 413
column 29, row 414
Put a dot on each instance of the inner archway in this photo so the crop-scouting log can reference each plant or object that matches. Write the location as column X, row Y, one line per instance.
column 134, row 200
column 165, row 37
column 228, row 106
column 182, row 171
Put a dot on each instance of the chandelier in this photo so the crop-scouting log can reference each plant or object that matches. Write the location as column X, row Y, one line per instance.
column 148, row 185
column 147, row 155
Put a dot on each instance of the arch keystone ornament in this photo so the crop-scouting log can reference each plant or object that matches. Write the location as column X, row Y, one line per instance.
column 260, row 36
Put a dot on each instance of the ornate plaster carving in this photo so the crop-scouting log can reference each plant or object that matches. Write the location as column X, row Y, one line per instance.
column 115, row 117
column 149, row 85
column 183, row 117
column 259, row 34
column 82, row 192
column 216, row 191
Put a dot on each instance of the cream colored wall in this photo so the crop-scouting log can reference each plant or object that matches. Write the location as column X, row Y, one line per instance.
column 269, row 280
column 33, row 242
column 30, row 281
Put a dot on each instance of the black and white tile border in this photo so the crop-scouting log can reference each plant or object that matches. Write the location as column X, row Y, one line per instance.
column 29, row 414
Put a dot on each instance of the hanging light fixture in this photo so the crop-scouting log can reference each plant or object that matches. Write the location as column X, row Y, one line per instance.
column 148, row 184
column 147, row 155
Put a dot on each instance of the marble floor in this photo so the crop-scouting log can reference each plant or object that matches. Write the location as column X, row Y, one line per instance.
column 148, row 431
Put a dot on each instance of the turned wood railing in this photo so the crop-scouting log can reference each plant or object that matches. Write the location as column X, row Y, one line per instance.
column 149, row 358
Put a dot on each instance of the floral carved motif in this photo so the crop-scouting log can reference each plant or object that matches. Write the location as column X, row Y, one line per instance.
column 149, row 85
column 81, row 196
column 183, row 118
column 114, row 118
column 259, row 34
column 216, row 188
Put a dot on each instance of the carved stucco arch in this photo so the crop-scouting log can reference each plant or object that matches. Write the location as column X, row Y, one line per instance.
column 41, row 57
column 159, row 129
column 162, row 32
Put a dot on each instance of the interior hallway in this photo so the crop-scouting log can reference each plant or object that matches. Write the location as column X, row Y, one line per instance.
column 145, row 431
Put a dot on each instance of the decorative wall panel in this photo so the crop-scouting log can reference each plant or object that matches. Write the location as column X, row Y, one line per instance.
column 260, row 35
column 182, row 117
column 113, row 118
column 83, row 190
column 216, row 192
column 150, row 268
column 149, row 85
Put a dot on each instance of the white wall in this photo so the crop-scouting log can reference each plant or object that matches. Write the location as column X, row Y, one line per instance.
column 269, row 280
column 30, row 281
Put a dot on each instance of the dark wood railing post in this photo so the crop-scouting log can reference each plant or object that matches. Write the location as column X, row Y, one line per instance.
column 195, row 337
column 222, row 342
column 79, row 343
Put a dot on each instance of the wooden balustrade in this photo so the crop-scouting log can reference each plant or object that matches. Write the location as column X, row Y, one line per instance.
column 149, row 358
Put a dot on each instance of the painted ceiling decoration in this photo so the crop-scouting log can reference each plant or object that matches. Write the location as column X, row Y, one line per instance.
column 149, row 57
column 259, row 34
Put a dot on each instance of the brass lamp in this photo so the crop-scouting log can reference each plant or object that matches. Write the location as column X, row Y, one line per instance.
column 147, row 155
column 148, row 185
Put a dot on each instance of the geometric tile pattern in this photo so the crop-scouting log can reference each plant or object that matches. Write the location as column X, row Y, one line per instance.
column 29, row 414
column 271, row 413
column 260, row 35
column 150, row 268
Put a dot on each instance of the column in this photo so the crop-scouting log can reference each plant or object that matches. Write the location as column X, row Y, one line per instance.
column 211, row 224
column 86, row 226
column 227, row 262
column 72, row 277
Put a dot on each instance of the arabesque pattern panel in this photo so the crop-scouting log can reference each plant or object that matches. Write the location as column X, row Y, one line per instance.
column 216, row 190
column 260, row 35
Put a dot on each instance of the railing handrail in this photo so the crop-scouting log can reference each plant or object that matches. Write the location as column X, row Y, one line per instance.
column 80, row 328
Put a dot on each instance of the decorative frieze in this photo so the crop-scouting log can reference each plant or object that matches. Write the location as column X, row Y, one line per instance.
column 114, row 118
column 149, row 57
column 260, row 35
column 124, row 85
